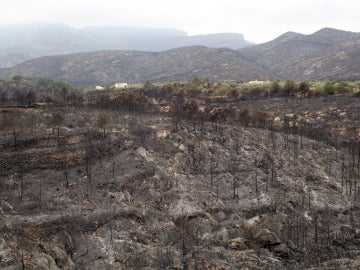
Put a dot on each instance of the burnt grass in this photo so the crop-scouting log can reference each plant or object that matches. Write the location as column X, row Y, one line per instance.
column 165, row 190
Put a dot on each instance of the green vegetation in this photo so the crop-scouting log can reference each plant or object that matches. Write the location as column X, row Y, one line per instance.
column 19, row 90
column 56, row 87
column 238, row 89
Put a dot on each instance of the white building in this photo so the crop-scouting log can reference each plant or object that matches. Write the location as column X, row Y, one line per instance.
column 121, row 85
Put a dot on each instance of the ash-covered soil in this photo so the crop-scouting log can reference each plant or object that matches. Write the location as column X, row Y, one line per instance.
column 163, row 193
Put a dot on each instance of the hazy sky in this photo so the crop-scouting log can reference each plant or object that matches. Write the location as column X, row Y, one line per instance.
column 258, row 20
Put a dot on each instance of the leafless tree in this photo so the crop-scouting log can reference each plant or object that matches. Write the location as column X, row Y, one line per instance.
column 56, row 120
column 103, row 120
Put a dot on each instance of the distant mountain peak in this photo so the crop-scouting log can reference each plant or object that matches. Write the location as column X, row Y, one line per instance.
column 329, row 30
column 309, row 57
column 288, row 36
column 331, row 36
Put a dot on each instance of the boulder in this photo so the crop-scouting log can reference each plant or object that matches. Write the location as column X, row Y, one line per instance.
column 61, row 259
column 347, row 230
column 182, row 148
column 238, row 243
column 5, row 253
column 267, row 238
column 45, row 262
column 18, row 266
column 282, row 250
column 290, row 244
column 221, row 236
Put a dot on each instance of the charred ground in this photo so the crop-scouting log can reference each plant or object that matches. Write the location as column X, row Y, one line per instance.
column 181, row 182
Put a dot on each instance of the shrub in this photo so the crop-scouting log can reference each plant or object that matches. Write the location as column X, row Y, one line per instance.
column 329, row 88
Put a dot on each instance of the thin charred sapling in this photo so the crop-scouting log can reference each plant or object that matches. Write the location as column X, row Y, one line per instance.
column 188, row 230
column 342, row 173
column 164, row 260
column 64, row 94
column 243, row 117
column 267, row 179
column 316, row 229
column 56, row 120
column 296, row 145
column 236, row 145
column 233, row 169
column 235, row 187
column 40, row 192
column 273, row 137
column 256, row 184
column 273, row 172
column 15, row 140
column 102, row 121
column 197, row 158
column 22, row 261
column 88, row 166
column 66, row 174
column 140, row 131
column 260, row 118
column 191, row 109
column 327, row 222
column 87, row 159
column 286, row 131
column 213, row 165
column 256, row 178
column 301, row 131
column 175, row 112
column 21, row 176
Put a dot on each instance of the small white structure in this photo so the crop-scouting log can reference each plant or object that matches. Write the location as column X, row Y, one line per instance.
column 121, row 85
column 257, row 82
column 99, row 87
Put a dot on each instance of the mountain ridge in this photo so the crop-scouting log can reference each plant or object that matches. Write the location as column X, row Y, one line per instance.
column 104, row 67
column 326, row 54
column 56, row 39
column 296, row 56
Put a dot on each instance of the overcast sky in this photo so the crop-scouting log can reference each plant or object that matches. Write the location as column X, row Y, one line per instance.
column 258, row 20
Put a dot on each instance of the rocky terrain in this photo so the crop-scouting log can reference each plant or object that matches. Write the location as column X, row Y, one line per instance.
column 157, row 191
column 106, row 67
column 325, row 54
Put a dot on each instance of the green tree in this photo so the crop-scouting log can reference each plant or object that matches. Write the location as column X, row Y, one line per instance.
column 304, row 88
column 289, row 88
column 148, row 85
column 196, row 82
column 275, row 87
column 329, row 88
column 17, row 78
column 342, row 87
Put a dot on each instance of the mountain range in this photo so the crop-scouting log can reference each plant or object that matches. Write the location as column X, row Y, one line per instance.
column 19, row 43
column 327, row 54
